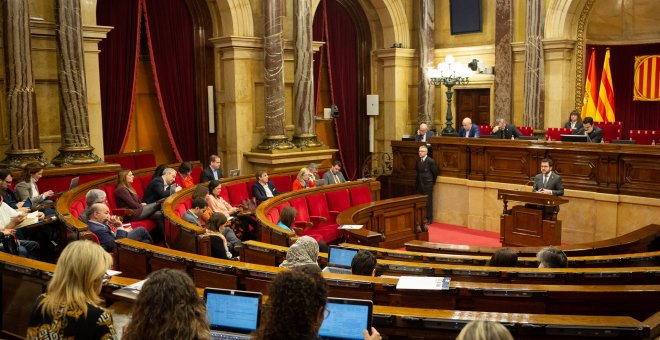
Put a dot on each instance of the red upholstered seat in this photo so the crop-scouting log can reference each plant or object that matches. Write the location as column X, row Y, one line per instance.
column 282, row 183
column 318, row 226
column 77, row 207
column 249, row 187
column 180, row 209
column 224, row 193
column 485, row 130
column 282, row 205
column 144, row 160
column 611, row 130
column 143, row 181
column 318, row 206
column 196, row 174
column 338, row 201
column 645, row 137
column 526, row 130
column 126, row 162
column 237, row 193
column 273, row 215
column 552, row 134
column 360, row 195
column 110, row 193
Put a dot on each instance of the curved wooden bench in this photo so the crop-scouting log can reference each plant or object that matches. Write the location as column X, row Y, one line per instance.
column 642, row 240
column 137, row 259
column 29, row 278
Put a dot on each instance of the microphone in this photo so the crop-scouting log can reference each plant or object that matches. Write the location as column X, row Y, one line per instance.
column 531, row 181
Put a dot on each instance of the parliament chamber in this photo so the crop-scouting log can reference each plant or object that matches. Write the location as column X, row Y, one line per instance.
column 285, row 84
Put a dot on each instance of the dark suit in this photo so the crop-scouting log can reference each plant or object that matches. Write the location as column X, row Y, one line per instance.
column 596, row 135
column 553, row 183
column 429, row 134
column 330, row 178
column 207, row 174
column 427, row 172
column 508, row 131
column 578, row 125
column 107, row 238
column 259, row 192
column 156, row 190
column 474, row 132
column 10, row 198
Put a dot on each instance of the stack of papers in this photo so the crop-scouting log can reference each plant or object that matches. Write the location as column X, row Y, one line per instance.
column 350, row 226
column 423, row 283
column 130, row 291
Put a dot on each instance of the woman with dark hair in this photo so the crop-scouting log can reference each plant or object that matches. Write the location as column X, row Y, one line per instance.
column 287, row 218
column 71, row 307
column 168, row 307
column 503, row 257
column 240, row 224
column 27, row 187
column 127, row 198
column 158, row 172
column 296, row 307
column 574, row 121
column 184, row 176
column 224, row 243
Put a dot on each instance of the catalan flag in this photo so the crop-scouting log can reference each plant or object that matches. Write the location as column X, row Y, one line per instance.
column 590, row 94
column 647, row 78
column 605, row 105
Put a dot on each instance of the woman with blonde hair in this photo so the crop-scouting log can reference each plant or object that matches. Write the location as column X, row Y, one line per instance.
column 168, row 307
column 70, row 308
column 484, row 330
column 302, row 180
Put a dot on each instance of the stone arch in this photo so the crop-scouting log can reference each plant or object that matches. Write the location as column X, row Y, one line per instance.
column 232, row 17
column 387, row 22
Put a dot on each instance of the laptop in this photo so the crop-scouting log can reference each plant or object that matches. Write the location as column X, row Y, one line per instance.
column 72, row 185
column 346, row 318
column 320, row 182
column 339, row 260
column 232, row 314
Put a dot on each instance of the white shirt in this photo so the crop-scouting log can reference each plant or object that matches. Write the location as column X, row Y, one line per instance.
column 35, row 191
column 6, row 214
column 267, row 189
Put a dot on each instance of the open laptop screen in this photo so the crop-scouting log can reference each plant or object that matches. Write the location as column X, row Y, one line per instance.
column 346, row 319
column 232, row 310
column 341, row 257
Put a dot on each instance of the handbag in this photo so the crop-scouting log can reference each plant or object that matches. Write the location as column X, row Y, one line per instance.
column 9, row 244
column 249, row 204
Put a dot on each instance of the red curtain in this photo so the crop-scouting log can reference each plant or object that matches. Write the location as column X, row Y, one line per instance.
column 341, row 55
column 170, row 38
column 117, row 67
column 634, row 114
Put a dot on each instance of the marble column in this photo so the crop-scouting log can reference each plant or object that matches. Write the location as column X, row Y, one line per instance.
column 74, row 120
column 503, row 60
column 425, row 95
column 303, row 86
column 534, row 65
column 275, row 138
column 19, row 80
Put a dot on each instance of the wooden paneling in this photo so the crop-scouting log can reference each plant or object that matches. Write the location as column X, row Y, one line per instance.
column 474, row 104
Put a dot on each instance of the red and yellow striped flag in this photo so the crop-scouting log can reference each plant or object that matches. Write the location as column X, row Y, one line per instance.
column 590, row 94
column 605, row 105
column 647, row 78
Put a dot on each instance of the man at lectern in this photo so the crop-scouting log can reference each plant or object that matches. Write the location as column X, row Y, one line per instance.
column 548, row 181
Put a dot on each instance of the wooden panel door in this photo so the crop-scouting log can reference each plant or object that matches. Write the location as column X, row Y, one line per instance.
column 473, row 103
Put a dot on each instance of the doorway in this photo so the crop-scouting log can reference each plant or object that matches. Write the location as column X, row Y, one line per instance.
column 473, row 103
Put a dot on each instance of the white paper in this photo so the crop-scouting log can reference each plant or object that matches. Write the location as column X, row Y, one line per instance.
column 130, row 291
column 350, row 226
column 423, row 282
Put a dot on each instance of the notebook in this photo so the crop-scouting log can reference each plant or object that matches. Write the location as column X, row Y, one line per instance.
column 232, row 314
column 346, row 318
column 339, row 260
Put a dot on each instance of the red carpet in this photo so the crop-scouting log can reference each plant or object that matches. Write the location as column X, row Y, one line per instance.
column 452, row 234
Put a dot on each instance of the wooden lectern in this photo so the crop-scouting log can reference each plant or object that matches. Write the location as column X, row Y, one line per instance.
column 534, row 224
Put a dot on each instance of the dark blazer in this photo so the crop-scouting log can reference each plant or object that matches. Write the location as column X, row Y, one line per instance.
column 595, row 136
column 155, row 190
column 474, row 131
column 508, row 131
column 429, row 134
column 554, row 183
column 330, row 179
column 259, row 192
column 427, row 172
column 106, row 238
column 207, row 174
column 578, row 125
column 10, row 198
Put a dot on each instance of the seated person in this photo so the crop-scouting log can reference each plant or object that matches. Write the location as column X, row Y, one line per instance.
column 99, row 220
column 158, row 172
column 484, row 330
column 196, row 209
column 241, row 225
column 201, row 191
column 302, row 180
column 469, row 130
column 127, row 198
column 9, row 196
column 184, row 177
column 505, row 131
column 503, row 257
column 594, row 133
column 314, row 172
column 9, row 220
column 91, row 197
column 169, row 294
column 364, row 263
column 213, row 171
column 424, row 134
column 305, row 252
column 334, row 175
column 574, row 123
column 230, row 244
column 159, row 188
column 287, row 219
column 263, row 189
column 551, row 257
column 27, row 187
